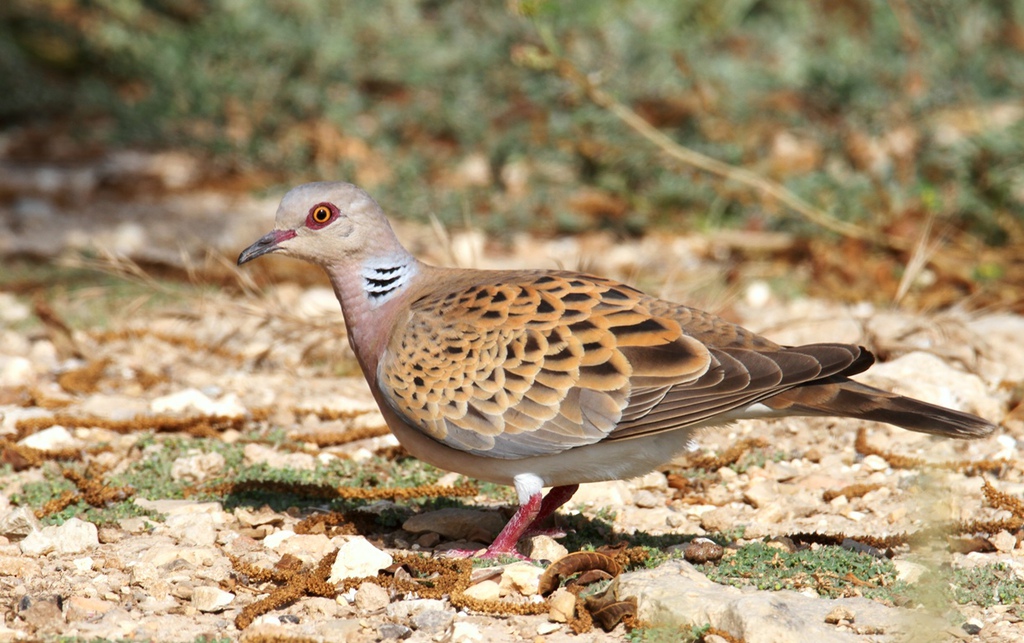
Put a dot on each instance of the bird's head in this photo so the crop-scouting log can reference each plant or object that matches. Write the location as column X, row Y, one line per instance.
column 326, row 224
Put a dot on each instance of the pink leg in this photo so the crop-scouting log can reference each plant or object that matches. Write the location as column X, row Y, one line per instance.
column 526, row 517
column 505, row 543
column 557, row 497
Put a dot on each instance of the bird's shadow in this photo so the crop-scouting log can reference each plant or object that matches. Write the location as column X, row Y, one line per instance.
column 381, row 520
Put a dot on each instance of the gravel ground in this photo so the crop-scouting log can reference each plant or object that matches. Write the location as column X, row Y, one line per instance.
column 212, row 383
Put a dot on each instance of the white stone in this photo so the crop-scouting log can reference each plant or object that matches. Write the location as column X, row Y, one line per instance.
column 199, row 530
column 655, row 481
column 371, row 597
column 358, row 558
column 874, row 462
column 401, row 611
column 197, row 466
column 544, row 629
column 762, row 494
column 758, row 294
column 1008, row 448
column 274, row 540
column 18, row 523
column 676, row 594
column 260, row 454
column 563, row 606
column 521, row 577
column 73, row 537
column 12, row 310
column 309, row 548
column 83, row 564
column 51, row 439
column 646, row 499
column 908, row 571
column 114, row 407
column 211, row 599
column 171, row 506
column 433, row 622
column 15, row 371
column 186, row 400
column 1004, row 541
column 487, row 590
column 542, row 548
column 191, row 399
column 465, row 632
column 613, row 493
column 1004, row 352
column 265, row 619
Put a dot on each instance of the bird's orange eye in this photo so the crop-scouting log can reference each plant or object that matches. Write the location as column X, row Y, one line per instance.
column 321, row 214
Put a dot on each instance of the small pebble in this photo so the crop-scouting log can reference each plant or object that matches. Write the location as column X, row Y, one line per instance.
column 702, row 550
column 839, row 614
column 972, row 627
column 394, row 632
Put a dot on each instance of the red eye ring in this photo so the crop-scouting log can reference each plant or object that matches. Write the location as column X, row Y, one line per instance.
column 320, row 215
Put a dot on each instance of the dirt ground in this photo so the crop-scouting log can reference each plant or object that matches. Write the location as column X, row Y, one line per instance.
column 173, row 452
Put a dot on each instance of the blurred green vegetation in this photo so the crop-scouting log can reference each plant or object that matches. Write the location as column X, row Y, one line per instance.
column 871, row 109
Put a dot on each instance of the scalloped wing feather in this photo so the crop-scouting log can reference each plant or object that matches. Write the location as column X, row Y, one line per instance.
column 515, row 365
column 521, row 364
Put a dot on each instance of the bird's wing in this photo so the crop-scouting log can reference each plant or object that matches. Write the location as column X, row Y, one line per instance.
column 738, row 378
column 521, row 364
column 514, row 365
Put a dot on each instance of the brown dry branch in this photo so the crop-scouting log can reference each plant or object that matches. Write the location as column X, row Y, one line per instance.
column 91, row 489
column 61, row 503
column 297, row 585
column 276, row 637
column 94, row 491
column 83, row 380
column 335, row 522
column 58, row 331
column 950, row 530
column 906, row 462
column 191, row 344
column 21, row 457
column 198, row 426
column 326, row 492
column 392, row 453
column 459, row 599
column 985, row 526
column 1001, row 500
column 877, row 542
column 970, row 545
column 338, row 438
column 850, row 491
column 729, row 456
column 545, row 60
column 729, row 638
column 426, row 578
column 26, row 397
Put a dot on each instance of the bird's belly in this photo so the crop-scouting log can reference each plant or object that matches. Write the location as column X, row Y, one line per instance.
column 609, row 460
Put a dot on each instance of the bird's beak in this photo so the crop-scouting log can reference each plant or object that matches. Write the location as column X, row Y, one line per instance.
column 269, row 242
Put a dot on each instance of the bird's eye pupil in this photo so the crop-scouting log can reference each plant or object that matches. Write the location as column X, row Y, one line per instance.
column 321, row 214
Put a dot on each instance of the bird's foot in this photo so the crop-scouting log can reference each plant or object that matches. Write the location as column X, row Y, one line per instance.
column 550, row 533
column 490, row 553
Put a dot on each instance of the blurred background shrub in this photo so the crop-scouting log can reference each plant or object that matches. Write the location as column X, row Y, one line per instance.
column 879, row 112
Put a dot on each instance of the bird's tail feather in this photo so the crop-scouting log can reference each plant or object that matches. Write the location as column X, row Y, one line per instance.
column 846, row 398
